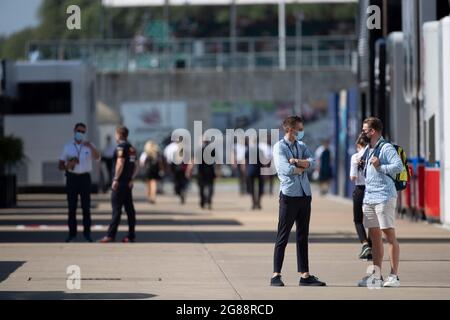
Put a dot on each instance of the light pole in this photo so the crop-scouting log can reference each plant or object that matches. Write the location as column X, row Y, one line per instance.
column 282, row 35
column 233, row 32
column 299, row 16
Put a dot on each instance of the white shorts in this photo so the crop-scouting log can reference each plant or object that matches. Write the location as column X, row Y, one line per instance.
column 381, row 215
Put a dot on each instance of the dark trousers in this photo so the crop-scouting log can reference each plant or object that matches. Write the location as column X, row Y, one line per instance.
column 206, row 189
column 358, row 197
column 270, row 178
column 78, row 184
column 179, row 179
column 109, row 163
column 122, row 197
column 242, row 180
column 298, row 210
column 256, row 192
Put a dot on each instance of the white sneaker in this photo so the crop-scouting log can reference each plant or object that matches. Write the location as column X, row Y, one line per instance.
column 392, row 281
column 371, row 281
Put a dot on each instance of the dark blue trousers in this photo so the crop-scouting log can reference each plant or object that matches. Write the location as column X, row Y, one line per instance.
column 79, row 185
column 298, row 210
column 122, row 197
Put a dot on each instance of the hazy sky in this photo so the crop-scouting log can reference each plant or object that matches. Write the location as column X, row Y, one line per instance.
column 17, row 14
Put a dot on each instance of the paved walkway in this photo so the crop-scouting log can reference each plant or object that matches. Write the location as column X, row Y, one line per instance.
column 188, row 253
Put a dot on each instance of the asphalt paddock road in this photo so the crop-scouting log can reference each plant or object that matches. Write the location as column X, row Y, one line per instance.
column 184, row 252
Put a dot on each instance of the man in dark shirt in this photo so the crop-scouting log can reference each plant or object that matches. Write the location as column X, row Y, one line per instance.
column 125, row 168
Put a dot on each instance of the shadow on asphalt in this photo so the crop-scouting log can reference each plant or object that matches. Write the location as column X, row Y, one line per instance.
column 60, row 295
column 154, row 222
column 174, row 236
column 63, row 213
column 53, row 205
column 9, row 267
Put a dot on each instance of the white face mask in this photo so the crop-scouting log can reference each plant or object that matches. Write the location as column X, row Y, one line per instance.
column 79, row 136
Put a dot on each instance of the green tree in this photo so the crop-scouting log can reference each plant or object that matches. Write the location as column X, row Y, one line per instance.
column 53, row 17
column 100, row 22
column 15, row 45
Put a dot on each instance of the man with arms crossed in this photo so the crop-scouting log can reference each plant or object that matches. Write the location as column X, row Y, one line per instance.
column 292, row 159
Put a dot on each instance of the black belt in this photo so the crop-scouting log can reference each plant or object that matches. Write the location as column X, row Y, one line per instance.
column 77, row 174
column 289, row 197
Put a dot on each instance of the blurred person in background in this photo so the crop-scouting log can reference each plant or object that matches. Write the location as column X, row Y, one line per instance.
column 107, row 159
column 253, row 172
column 266, row 148
column 206, row 176
column 140, row 43
column 151, row 162
column 239, row 165
column 179, row 170
column 323, row 159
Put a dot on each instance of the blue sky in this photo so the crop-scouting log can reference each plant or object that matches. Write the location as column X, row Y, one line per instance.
column 18, row 14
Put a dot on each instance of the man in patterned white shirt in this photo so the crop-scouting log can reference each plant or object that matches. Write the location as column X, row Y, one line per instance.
column 381, row 164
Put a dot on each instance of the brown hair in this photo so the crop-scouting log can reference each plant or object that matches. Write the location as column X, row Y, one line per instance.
column 361, row 141
column 374, row 123
column 122, row 131
column 291, row 121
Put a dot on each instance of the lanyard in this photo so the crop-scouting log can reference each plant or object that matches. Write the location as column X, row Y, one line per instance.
column 371, row 155
column 296, row 149
column 78, row 150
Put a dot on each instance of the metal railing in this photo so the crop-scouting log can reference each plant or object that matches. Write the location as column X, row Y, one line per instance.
column 200, row 53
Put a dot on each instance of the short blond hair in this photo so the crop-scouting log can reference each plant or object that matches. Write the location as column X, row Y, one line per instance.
column 151, row 149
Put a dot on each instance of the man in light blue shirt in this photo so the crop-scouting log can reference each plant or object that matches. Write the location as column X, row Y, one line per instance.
column 293, row 182
column 382, row 164
column 292, row 159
